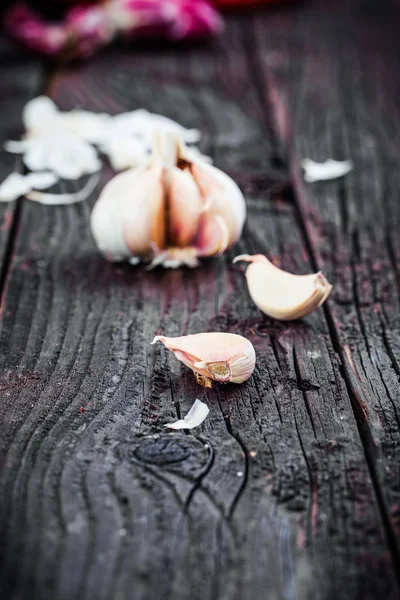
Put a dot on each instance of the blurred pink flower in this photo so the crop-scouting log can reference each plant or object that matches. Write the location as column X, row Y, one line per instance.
column 91, row 28
column 172, row 19
column 26, row 26
column 88, row 27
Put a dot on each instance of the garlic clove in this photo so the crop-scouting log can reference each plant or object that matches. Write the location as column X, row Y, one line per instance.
column 222, row 357
column 107, row 217
column 222, row 196
column 185, row 205
column 123, row 228
column 213, row 236
column 156, row 225
column 283, row 295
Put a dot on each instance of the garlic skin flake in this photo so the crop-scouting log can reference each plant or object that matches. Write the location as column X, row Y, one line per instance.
column 283, row 295
column 194, row 418
column 65, row 155
column 126, row 138
column 171, row 211
column 41, row 117
column 16, row 184
column 215, row 356
column 330, row 169
column 65, row 198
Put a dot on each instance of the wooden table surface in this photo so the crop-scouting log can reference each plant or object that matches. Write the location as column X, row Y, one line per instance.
column 291, row 487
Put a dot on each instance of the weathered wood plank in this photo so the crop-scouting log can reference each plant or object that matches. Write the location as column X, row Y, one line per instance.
column 272, row 496
column 22, row 78
column 331, row 77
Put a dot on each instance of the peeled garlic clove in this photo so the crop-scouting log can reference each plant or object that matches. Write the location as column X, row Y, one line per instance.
column 280, row 294
column 222, row 357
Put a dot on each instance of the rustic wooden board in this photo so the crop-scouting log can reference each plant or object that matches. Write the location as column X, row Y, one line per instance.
column 330, row 76
column 22, row 78
column 272, row 497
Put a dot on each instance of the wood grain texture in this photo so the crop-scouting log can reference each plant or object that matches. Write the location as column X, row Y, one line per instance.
column 272, row 497
column 330, row 77
column 22, row 78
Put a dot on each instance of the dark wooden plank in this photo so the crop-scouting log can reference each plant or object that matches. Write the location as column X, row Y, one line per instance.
column 330, row 75
column 272, row 496
column 209, row 82
column 22, row 78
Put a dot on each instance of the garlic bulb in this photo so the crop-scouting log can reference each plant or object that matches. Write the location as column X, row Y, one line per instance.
column 280, row 294
column 171, row 211
column 222, row 357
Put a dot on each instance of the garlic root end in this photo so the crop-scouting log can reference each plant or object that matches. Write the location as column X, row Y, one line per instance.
column 202, row 380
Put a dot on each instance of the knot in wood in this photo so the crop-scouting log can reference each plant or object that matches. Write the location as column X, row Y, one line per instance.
column 163, row 451
column 178, row 453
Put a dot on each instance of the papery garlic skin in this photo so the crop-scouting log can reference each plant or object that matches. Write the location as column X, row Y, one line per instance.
column 171, row 211
column 330, row 169
column 283, row 295
column 222, row 357
column 194, row 418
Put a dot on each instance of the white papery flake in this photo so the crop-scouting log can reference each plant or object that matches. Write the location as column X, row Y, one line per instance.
column 330, row 169
column 67, row 198
column 17, row 185
column 65, row 155
column 66, row 144
column 194, row 418
column 42, row 117
column 124, row 153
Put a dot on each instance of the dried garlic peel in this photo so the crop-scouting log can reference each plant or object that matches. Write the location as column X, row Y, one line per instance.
column 330, row 169
column 65, row 155
column 16, row 185
column 280, row 294
column 171, row 211
column 222, row 357
column 67, row 198
column 125, row 138
column 194, row 418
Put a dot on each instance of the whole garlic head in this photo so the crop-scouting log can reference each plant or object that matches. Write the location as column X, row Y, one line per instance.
column 171, row 211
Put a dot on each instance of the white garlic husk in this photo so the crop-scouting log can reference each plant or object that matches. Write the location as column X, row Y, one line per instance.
column 170, row 211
